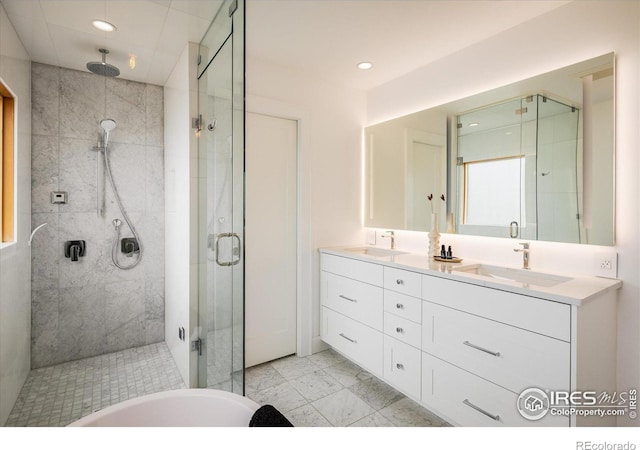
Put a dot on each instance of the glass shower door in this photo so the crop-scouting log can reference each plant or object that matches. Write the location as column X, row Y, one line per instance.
column 558, row 161
column 221, row 202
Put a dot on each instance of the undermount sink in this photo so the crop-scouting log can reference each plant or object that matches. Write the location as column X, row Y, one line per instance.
column 375, row 251
column 514, row 275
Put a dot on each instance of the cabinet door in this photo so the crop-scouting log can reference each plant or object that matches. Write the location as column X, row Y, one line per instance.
column 508, row 356
column 533, row 314
column 468, row 400
column 402, row 366
column 360, row 301
column 403, row 281
column 402, row 305
column 351, row 268
column 402, row 329
column 358, row 342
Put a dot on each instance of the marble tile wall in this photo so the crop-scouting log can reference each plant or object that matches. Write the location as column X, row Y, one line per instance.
column 90, row 307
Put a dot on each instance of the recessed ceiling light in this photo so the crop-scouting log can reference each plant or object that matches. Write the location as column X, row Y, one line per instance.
column 365, row 65
column 103, row 25
column 474, row 124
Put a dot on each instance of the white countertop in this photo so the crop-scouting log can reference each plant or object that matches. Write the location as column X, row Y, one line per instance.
column 578, row 291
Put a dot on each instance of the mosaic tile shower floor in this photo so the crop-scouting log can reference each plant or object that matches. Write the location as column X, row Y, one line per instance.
column 321, row 390
column 58, row 395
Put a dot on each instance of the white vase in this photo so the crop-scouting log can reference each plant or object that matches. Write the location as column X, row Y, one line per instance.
column 434, row 237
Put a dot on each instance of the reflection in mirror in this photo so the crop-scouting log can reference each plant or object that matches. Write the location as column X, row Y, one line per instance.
column 406, row 160
column 518, row 170
column 531, row 160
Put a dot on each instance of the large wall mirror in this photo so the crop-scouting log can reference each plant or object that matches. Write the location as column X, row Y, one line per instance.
column 531, row 160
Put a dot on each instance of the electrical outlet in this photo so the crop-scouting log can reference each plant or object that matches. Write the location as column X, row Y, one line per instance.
column 605, row 264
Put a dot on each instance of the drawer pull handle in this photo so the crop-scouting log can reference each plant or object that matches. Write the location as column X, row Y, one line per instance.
column 348, row 339
column 481, row 349
column 399, row 306
column 400, row 366
column 477, row 408
column 399, row 281
column 399, row 330
column 348, row 299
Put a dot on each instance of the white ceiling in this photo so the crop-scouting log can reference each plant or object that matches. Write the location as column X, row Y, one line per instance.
column 322, row 37
column 59, row 32
column 329, row 37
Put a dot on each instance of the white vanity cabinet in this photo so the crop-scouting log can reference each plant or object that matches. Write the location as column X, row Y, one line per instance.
column 402, row 330
column 483, row 346
column 466, row 350
column 352, row 309
column 493, row 359
column 368, row 315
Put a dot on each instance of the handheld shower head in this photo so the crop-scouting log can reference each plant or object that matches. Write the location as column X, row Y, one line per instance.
column 107, row 125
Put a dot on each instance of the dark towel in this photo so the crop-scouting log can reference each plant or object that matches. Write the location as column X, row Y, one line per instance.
column 268, row 416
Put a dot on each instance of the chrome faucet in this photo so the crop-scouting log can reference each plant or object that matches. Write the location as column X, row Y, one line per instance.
column 390, row 234
column 525, row 254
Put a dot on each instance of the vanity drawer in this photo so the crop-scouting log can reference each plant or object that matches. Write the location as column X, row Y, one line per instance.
column 513, row 358
column 402, row 366
column 454, row 393
column 360, row 301
column 542, row 316
column 403, row 281
column 352, row 268
column 356, row 341
column 402, row 329
column 403, row 305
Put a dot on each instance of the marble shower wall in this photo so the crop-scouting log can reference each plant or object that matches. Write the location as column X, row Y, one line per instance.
column 90, row 307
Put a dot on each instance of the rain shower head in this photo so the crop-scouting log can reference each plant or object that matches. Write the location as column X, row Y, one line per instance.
column 102, row 68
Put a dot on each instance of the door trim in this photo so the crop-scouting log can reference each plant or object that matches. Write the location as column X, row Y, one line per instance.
column 304, row 249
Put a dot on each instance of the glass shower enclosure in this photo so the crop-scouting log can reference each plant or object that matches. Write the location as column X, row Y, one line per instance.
column 519, row 170
column 220, row 130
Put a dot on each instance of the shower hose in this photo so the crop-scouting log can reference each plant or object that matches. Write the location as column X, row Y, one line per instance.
column 117, row 223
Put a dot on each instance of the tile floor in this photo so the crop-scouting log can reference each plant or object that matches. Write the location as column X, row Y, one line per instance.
column 325, row 389
column 58, row 395
column 321, row 390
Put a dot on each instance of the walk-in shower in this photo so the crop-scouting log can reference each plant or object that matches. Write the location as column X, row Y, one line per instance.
column 107, row 172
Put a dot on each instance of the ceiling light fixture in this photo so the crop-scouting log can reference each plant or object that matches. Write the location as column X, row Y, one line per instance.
column 474, row 124
column 365, row 65
column 103, row 25
column 132, row 61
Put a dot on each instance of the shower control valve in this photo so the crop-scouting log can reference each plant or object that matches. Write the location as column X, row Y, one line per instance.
column 75, row 249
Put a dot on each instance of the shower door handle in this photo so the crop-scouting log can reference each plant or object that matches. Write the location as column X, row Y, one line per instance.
column 235, row 251
column 514, row 229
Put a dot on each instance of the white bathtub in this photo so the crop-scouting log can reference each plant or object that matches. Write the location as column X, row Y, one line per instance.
column 179, row 408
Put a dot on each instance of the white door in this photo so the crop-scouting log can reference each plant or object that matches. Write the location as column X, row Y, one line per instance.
column 426, row 167
column 270, row 237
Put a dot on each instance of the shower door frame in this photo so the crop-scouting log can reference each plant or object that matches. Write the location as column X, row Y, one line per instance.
column 227, row 28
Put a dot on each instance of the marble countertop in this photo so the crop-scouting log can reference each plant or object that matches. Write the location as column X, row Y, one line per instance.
column 578, row 290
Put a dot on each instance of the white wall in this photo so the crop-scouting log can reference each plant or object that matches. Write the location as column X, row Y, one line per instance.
column 572, row 33
column 181, row 209
column 329, row 164
column 15, row 259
